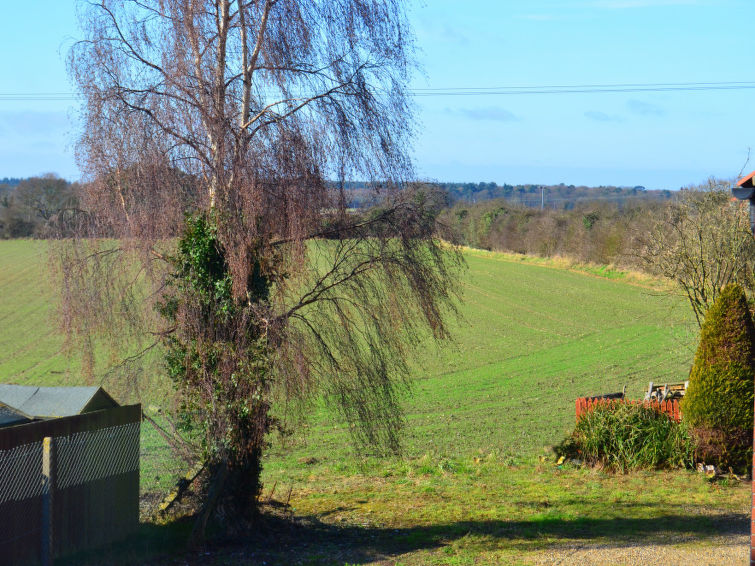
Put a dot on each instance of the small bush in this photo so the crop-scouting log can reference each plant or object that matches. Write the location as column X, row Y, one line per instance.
column 622, row 437
column 718, row 404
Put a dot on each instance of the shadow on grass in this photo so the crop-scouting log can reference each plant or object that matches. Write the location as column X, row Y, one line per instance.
column 151, row 543
column 280, row 539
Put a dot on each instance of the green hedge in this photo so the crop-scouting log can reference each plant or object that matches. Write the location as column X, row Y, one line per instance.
column 718, row 405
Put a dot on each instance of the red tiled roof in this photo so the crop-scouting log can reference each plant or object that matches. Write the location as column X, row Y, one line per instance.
column 746, row 181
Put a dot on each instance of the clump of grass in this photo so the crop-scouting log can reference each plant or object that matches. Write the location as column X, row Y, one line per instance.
column 623, row 437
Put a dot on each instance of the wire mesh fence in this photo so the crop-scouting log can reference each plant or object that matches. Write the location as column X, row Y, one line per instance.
column 89, row 456
column 21, row 472
column 21, row 490
column 87, row 494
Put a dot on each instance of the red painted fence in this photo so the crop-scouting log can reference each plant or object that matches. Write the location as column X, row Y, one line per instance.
column 671, row 407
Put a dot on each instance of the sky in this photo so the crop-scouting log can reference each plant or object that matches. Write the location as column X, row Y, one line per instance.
column 657, row 139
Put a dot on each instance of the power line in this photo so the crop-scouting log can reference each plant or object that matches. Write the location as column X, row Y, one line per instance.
column 596, row 85
column 14, row 96
column 586, row 88
column 611, row 85
column 483, row 91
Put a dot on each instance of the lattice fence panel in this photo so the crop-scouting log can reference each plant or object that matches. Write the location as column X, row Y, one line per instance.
column 21, row 472
column 94, row 455
column 21, row 486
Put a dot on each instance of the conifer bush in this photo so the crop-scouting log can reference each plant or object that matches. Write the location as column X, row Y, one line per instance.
column 718, row 405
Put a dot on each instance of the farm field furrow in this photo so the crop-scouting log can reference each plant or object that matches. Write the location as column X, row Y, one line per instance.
column 30, row 346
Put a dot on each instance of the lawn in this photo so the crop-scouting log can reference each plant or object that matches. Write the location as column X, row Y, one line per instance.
column 475, row 483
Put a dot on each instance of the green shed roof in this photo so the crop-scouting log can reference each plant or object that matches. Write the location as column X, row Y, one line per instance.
column 50, row 402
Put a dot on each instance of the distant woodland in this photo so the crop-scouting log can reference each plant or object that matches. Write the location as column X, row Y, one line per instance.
column 555, row 197
column 599, row 231
column 37, row 207
column 605, row 224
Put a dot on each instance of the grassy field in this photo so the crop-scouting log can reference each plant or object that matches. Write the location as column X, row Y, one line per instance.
column 475, row 483
column 30, row 344
column 532, row 339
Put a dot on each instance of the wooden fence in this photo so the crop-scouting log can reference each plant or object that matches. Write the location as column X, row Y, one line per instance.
column 670, row 407
column 77, row 490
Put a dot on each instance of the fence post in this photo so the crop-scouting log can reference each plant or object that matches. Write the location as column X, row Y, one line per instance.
column 47, row 502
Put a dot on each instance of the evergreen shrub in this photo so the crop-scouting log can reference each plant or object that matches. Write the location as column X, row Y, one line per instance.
column 718, row 405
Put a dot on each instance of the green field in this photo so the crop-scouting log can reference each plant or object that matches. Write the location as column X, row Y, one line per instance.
column 30, row 344
column 475, row 484
column 532, row 339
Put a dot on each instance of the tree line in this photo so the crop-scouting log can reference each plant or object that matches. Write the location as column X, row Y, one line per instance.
column 601, row 232
column 45, row 206
column 651, row 231
column 557, row 197
column 700, row 238
column 560, row 196
column 37, row 207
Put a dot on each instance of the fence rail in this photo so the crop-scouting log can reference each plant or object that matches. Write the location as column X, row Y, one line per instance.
column 78, row 490
column 669, row 407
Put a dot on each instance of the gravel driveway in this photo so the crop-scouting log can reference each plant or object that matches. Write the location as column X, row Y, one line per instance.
column 729, row 550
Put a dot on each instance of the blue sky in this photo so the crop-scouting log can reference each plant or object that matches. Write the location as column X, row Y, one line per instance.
column 655, row 139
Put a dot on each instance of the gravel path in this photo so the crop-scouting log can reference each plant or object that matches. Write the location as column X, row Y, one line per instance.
column 729, row 550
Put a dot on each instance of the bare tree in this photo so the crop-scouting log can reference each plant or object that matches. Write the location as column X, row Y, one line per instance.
column 703, row 243
column 38, row 206
column 237, row 113
column 45, row 195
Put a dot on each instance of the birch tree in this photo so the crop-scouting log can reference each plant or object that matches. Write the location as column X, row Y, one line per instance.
column 703, row 243
column 217, row 136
